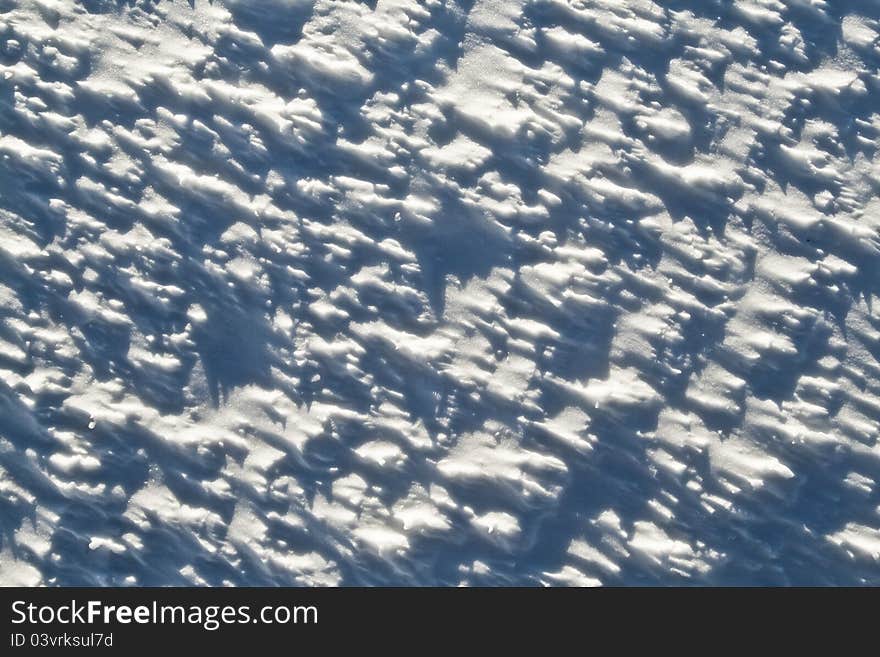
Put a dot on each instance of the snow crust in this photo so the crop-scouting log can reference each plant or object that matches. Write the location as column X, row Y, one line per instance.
column 554, row 292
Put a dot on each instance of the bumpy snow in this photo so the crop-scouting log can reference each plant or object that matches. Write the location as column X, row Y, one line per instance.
column 563, row 292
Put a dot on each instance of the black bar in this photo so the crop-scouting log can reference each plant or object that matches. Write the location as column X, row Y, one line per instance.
column 332, row 618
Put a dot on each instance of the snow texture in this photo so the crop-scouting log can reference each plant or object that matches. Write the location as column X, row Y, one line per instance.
column 439, row 292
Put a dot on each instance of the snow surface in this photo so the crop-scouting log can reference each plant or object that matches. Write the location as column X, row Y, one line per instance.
column 564, row 292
